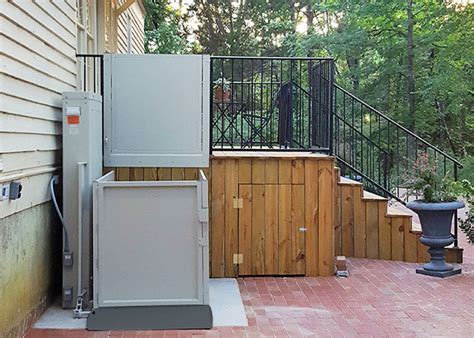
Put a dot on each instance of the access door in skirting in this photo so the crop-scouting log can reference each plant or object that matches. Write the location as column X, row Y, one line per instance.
column 271, row 229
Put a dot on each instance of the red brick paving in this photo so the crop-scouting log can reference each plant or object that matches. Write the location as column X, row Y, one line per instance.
column 379, row 299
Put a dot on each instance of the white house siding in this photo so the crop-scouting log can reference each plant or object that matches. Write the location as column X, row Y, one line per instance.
column 37, row 48
column 137, row 15
column 37, row 63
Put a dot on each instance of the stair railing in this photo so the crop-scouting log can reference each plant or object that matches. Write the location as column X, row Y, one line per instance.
column 378, row 151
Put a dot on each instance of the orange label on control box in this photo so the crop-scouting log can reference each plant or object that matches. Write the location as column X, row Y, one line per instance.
column 74, row 119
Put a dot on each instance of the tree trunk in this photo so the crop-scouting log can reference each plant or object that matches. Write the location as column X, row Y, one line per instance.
column 441, row 113
column 410, row 68
column 353, row 64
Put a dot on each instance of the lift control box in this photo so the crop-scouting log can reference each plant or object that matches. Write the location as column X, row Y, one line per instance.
column 82, row 164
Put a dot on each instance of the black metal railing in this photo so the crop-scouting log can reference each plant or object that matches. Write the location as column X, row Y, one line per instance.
column 271, row 103
column 378, row 151
column 293, row 104
column 90, row 72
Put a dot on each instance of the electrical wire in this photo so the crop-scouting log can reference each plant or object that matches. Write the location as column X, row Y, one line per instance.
column 60, row 215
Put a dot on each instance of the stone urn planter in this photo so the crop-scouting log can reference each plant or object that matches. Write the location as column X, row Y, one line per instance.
column 436, row 219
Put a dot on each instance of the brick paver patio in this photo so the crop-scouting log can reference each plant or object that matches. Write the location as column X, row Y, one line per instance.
column 379, row 299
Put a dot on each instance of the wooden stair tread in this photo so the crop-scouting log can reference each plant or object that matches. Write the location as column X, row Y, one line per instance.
column 348, row 181
column 373, row 197
column 395, row 212
column 415, row 227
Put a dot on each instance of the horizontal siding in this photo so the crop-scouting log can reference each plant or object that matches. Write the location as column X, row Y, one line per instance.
column 27, row 73
column 29, row 22
column 18, row 142
column 47, row 21
column 10, row 123
column 66, row 19
column 137, row 22
column 20, row 161
column 137, row 37
column 29, row 41
column 34, row 92
column 19, row 106
column 21, row 53
column 38, row 63
column 67, row 13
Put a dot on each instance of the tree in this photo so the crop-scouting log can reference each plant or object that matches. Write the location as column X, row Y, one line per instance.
column 412, row 60
column 164, row 30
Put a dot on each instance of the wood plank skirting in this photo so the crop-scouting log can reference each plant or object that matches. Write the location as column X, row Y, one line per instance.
column 271, row 214
column 290, row 213
column 367, row 227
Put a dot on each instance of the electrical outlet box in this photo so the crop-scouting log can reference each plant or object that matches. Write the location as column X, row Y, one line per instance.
column 67, row 259
column 5, row 192
column 15, row 190
column 67, row 295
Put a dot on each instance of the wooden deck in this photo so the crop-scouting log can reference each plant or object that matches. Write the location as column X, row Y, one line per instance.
column 290, row 213
column 268, row 154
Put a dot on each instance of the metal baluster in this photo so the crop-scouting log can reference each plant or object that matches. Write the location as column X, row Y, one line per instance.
column 397, row 161
column 353, row 143
column 242, row 109
column 344, row 138
column 232, row 107
column 310, row 99
column 222, row 104
column 261, row 104
column 455, row 168
column 211, row 105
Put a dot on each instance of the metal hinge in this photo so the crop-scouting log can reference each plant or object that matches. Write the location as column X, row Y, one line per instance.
column 238, row 203
column 79, row 312
column 238, row 258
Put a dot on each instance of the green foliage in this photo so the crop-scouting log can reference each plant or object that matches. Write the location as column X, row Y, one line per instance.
column 467, row 171
column 368, row 40
column 425, row 179
column 164, row 32
column 465, row 189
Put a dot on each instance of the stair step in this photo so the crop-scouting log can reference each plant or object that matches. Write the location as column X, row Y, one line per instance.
column 347, row 181
column 415, row 227
column 373, row 197
column 395, row 212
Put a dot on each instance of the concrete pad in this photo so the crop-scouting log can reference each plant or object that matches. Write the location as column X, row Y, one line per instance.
column 58, row 318
column 224, row 296
column 226, row 302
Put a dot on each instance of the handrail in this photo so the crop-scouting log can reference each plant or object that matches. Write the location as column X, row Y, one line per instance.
column 299, row 122
column 364, row 137
column 89, row 55
column 371, row 181
column 296, row 58
column 398, row 125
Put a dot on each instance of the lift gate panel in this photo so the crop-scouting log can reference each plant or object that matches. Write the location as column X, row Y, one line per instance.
column 156, row 110
column 150, row 243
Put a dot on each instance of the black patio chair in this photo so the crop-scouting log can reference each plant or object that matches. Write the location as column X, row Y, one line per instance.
column 283, row 101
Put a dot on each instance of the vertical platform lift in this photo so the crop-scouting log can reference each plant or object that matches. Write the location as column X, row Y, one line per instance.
column 149, row 262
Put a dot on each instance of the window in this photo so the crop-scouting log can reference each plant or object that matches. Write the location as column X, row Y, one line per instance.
column 86, row 25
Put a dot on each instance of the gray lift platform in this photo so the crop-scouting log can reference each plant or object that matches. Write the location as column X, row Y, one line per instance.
column 141, row 253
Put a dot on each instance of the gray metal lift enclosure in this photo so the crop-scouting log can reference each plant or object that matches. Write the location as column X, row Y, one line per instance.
column 156, row 110
column 151, row 254
column 82, row 164
column 150, row 242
